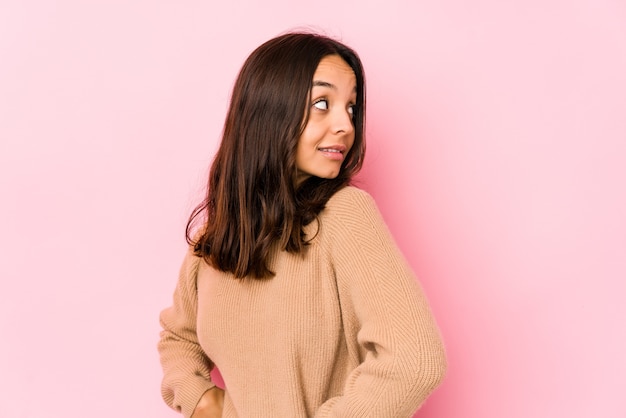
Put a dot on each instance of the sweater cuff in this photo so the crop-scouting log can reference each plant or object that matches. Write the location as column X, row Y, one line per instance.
column 193, row 390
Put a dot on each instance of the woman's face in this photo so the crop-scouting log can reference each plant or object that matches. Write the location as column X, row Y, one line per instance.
column 329, row 132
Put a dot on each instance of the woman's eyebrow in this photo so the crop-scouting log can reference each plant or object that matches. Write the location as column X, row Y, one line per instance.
column 320, row 83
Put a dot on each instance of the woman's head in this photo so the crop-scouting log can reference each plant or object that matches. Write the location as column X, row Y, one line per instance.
column 328, row 134
column 293, row 136
column 271, row 105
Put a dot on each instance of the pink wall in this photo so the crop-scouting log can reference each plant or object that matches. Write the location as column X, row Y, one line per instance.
column 497, row 135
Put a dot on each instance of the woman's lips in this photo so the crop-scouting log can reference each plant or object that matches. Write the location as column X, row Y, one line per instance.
column 333, row 152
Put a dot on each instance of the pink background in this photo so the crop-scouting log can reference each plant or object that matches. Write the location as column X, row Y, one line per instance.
column 497, row 154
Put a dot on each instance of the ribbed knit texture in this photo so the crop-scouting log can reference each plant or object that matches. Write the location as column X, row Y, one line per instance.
column 343, row 330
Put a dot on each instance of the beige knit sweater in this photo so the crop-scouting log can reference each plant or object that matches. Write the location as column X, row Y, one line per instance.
column 343, row 330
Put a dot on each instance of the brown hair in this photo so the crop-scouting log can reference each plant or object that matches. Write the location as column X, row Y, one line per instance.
column 252, row 199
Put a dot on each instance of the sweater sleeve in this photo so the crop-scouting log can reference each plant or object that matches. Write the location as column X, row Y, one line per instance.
column 400, row 350
column 186, row 368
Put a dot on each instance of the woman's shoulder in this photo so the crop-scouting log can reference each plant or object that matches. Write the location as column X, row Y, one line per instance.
column 349, row 203
column 349, row 196
column 346, row 212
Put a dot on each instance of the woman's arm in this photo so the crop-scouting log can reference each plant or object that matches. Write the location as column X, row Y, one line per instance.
column 385, row 310
column 186, row 369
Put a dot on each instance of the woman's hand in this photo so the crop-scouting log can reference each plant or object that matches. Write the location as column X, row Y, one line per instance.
column 210, row 405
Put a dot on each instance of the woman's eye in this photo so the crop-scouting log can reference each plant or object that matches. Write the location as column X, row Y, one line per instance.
column 321, row 104
column 351, row 109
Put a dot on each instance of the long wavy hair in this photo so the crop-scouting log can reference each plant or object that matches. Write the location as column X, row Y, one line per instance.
column 252, row 200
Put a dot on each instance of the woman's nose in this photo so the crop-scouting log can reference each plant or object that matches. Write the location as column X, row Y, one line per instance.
column 342, row 121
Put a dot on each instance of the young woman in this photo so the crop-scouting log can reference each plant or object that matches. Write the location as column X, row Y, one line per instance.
column 292, row 285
